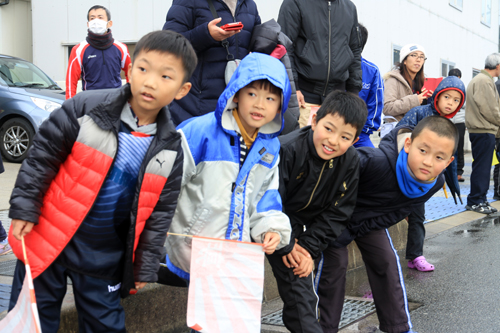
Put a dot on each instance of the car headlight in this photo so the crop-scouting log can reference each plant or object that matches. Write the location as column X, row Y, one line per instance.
column 45, row 104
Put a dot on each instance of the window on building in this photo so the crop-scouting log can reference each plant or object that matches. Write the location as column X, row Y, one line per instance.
column 475, row 71
column 486, row 12
column 457, row 4
column 396, row 50
column 446, row 66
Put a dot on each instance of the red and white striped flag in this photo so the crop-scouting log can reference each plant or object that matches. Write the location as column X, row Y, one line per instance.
column 23, row 318
column 226, row 286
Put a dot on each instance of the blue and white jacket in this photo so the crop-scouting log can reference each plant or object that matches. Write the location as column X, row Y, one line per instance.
column 218, row 199
column 372, row 93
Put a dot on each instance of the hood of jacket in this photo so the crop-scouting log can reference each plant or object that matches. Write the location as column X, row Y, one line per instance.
column 448, row 83
column 255, row 66
column 397, row 75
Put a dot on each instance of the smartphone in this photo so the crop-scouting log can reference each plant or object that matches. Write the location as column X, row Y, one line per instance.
column 232, row 26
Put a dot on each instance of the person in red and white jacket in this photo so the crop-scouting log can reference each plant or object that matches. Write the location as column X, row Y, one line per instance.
column 99, row 59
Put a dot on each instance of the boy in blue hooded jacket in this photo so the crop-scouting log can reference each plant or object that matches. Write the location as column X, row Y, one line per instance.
column 446, row 101
column 230, row 179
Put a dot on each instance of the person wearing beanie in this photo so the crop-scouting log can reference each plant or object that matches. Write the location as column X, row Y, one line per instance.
column 404, row 84
column 99, row 59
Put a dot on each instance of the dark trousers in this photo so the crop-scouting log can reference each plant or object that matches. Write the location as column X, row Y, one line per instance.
column 300, row 308
column 482, row 153
column 460, row 148
column 496, row 170
column 416, row 233
column 385, row 277
column 97, row 303
column 3, row 234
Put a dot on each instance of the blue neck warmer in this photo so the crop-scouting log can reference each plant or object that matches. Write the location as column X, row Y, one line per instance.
column 411, row 187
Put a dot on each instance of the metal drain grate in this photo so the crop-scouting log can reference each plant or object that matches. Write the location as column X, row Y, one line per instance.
column 353, row 311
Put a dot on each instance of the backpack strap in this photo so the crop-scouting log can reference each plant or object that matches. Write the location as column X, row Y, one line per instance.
column 214, row 12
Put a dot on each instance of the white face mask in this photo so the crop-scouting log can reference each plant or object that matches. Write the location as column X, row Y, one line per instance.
column 98, row 27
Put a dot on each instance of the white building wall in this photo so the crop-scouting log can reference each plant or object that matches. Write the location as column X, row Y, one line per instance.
column 15, row 28
column 445, row 32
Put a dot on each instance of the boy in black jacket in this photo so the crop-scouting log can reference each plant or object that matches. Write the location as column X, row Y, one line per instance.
column 392, row 182
column 318, row 186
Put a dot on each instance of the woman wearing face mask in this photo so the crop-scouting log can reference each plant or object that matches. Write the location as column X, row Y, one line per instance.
column 99, row 59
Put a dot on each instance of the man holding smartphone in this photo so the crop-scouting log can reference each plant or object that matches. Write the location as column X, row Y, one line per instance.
column 195, row 21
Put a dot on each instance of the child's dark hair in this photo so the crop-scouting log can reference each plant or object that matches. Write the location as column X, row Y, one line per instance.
column 265, row 84
column 167, row 41
column 346, row 105
column 363, row 35
column 455, row 72
column 442, row 126
column 108, row 13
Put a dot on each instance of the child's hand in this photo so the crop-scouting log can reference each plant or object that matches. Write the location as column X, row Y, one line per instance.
column 306, row 266
column 293, row 259
column 21, row 228
column 271, row 240
column 138, row 286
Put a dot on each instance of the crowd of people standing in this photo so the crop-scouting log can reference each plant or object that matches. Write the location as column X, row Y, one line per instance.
column 259, row 134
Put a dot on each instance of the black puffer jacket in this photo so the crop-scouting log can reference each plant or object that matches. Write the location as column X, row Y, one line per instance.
column 381, row 203
column 265, row 38
column 317, row 194
column 326, row 44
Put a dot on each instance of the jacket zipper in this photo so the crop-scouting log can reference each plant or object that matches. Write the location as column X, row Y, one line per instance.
column 329, row 45
column 315, row 187
column 103, row 60
column 234, row 20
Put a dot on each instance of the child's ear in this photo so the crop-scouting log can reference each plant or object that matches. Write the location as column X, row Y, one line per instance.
column 313, row 122
column 449, row 162
column 355, row 140
column 183, row 91
column 407, row 145
column 129, row 71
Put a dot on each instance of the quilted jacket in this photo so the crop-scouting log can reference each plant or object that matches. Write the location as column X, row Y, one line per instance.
column 63, row 173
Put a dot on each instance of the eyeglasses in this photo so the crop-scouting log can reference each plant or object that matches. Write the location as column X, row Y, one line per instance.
column 414, row 55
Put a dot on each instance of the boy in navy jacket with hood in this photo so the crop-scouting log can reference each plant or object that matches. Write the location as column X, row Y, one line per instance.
column 446, row 101
column 394, row 179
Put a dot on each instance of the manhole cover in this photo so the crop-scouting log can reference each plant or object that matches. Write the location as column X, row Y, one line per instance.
column 353, row 311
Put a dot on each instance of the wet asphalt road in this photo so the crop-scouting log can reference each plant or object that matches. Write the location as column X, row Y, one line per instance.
column 463, row 293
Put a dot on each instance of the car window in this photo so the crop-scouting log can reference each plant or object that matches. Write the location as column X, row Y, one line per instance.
column 23, row 74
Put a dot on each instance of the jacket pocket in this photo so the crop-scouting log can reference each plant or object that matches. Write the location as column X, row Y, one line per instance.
column 305, row 49
column 197, row 222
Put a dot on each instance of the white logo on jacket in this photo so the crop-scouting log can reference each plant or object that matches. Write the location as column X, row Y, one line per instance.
column 92, row 56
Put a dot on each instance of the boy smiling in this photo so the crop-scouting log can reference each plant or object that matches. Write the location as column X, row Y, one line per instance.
column 97, row 192
column 318, row 187
column 403, row 173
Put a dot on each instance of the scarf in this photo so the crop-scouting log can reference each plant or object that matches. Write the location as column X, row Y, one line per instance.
column 100, row 42
column 411, row 187
column 249, row 140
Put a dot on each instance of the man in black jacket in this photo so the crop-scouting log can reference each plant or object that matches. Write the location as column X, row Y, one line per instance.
column 326, row 52
column 392, row 182
column 318, row 186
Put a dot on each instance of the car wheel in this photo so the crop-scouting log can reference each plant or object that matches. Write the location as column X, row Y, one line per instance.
column 16, row 136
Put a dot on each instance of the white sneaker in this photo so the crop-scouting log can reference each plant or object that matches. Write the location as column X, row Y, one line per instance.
column 5, row 247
